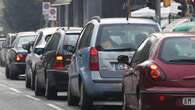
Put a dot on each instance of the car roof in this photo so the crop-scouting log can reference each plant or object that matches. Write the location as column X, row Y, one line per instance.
column 164, row 35
column 26, row 33
column 47, row 31
column 71, row 29
column 124, row 21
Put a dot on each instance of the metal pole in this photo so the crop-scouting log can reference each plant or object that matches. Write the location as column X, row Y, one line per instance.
column 158, row 11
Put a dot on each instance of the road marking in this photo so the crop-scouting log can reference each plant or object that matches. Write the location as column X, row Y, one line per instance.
column 3, row 85
column 54, row 106
column 15, row 90
column 34, row 98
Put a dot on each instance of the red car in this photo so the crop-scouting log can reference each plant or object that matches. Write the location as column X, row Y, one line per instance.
column 161, row 74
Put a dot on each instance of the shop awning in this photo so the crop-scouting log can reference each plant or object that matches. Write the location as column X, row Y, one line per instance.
column 61, row 2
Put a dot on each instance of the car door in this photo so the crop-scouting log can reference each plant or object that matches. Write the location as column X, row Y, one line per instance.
column 79, row 58
column 47, row 59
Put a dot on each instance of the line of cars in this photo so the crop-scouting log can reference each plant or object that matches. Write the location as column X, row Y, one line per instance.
column 108, row 59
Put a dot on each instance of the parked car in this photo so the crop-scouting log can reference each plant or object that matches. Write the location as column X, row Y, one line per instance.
column 51, row 72
column 6, row 46
column 2, row 42
column 161, row 74
column 36, row 50
column 95, row 73
column 15, row 60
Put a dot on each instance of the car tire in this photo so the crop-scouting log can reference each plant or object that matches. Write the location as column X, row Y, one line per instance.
column 85, row 101
column 72, row 100
column 12, row 75
column 50, row 92
column 7, row 72
column 38, row 90
column 27, row 79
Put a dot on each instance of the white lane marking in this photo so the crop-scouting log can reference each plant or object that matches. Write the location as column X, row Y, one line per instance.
column 15, row 90
column 31, row 97
column 3, row 85
column 54, row 106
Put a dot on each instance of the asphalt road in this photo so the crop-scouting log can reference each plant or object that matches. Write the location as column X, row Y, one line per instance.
column 14, row 96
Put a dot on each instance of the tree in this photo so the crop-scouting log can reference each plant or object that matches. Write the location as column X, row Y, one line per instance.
column 22, row 15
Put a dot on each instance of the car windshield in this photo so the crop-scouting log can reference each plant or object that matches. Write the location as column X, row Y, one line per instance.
column 71, row 39
column 23, row 40
column 178, row 50
column 121, row 36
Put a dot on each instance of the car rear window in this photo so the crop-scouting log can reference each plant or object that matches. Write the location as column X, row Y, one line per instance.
column 71, row 39
column 178, row 50
column 124, row 36
column 23, row 40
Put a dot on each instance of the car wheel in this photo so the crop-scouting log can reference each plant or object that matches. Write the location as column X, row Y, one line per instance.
column 32, row 79
column 7, row 72
column 72, row 100
column 85, row 101
column 27, row 79
column 12, row 75
column 38, row 90
column 50, row 92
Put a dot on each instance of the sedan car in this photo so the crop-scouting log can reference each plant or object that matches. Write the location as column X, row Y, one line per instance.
column 51, row 71
column 36, row 50
column 161, row 74
column 15, row 61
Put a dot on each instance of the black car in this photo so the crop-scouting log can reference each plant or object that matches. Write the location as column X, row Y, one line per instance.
column 15, row 59
column 51, row 72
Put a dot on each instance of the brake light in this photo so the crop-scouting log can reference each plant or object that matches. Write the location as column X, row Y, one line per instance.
column 59, row 64
column 156, row 73
column 20, row 57
column 93, row 59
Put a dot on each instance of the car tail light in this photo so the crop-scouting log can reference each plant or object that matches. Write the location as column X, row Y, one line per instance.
column 59, row 62
column 20, row 57
column 93, row 59
column 155, row 72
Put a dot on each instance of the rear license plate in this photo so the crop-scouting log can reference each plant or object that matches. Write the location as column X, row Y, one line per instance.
column 188, row 101
column 117, row 66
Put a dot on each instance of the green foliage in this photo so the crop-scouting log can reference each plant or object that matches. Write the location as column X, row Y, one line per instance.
column 22, row 15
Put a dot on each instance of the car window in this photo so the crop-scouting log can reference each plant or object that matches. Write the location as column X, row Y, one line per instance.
column 23, row 40
column 124, row 36
column 48, row 37
column 178, row 50
column 71, row 39
column 53, row 42
column 86, row 36
column 143, row 52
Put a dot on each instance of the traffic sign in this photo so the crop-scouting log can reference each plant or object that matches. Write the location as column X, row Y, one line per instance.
column 53, row 14
column 45, row 8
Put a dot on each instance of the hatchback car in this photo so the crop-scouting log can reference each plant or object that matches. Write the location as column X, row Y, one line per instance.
column 15, row 60
column 35, row 52
column 95, row 73
column 51, row 71
column 162, row 74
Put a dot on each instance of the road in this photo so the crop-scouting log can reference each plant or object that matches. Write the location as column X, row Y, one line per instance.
column 14, row 96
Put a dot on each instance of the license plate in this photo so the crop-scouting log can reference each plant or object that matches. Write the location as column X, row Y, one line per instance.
column 188, row 101
column 117, row 66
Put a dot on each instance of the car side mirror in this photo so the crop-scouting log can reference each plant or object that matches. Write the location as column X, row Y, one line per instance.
column 123, row 59
column 70, row 48
column 26, row 47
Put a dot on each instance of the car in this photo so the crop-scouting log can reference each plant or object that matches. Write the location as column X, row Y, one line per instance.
column 161, row 73
column 51, row 71
column 15, row 60
column 6, row 46
column 36, row 50
column 2, row 42
column 94, row 73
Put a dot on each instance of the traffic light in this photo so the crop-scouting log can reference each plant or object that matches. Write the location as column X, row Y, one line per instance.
column 166, row 3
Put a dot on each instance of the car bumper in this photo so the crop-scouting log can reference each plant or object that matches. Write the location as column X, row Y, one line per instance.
column 58, row 79
column 105, row 90
column 163, row 98
column 18, row 68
